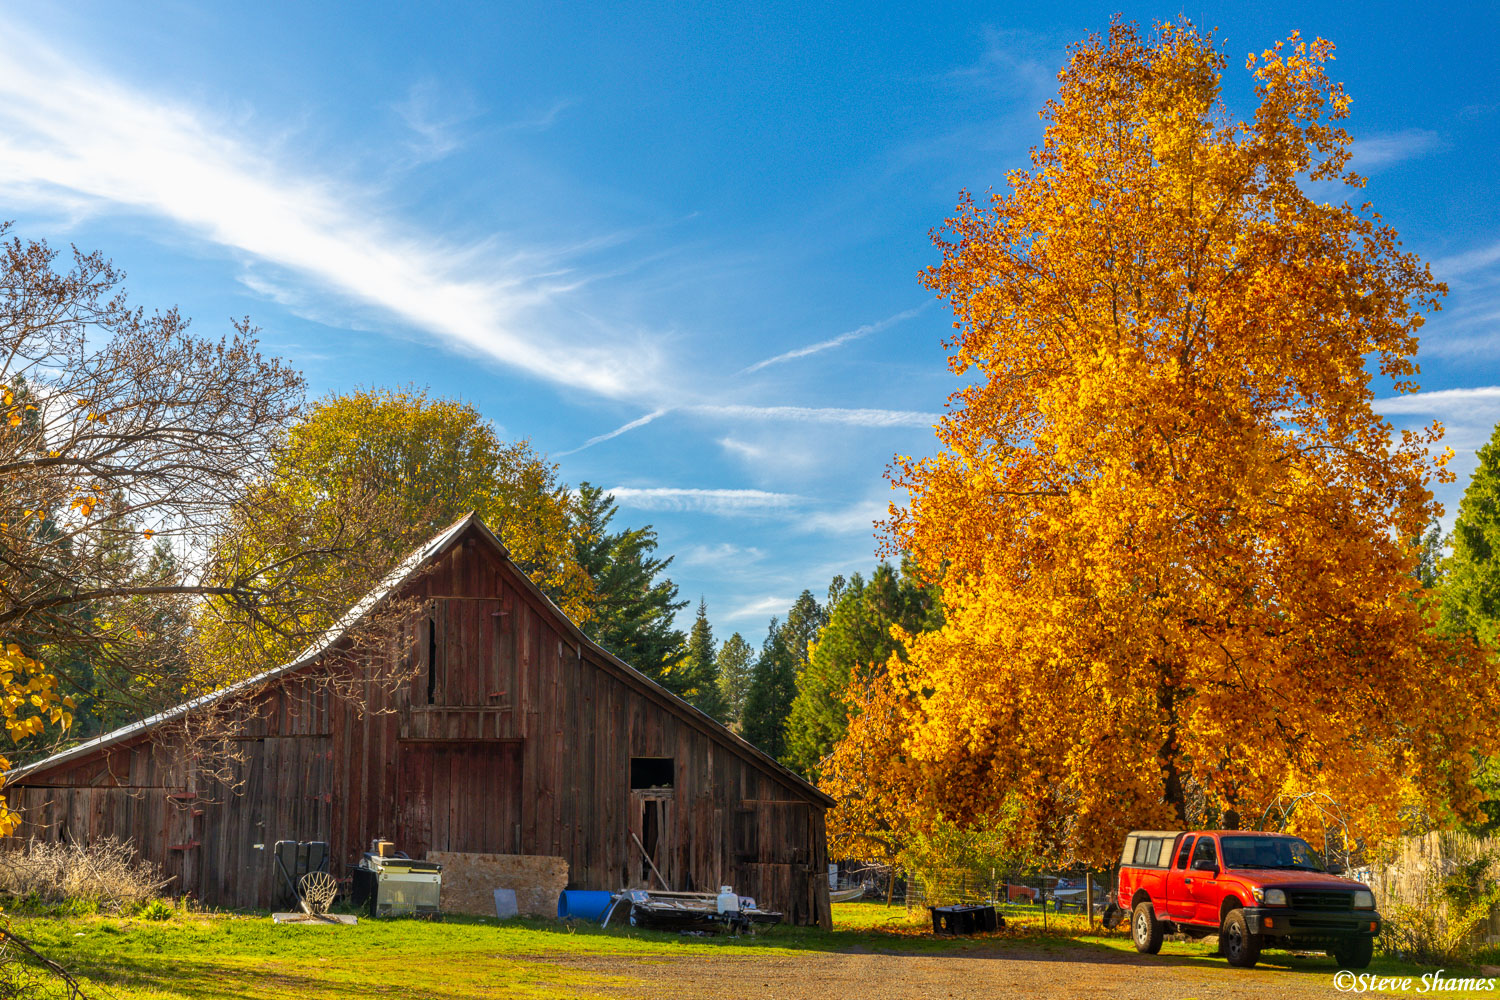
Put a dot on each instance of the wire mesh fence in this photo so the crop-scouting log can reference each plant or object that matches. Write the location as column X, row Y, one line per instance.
column 1066, row 890
column 1051, row 890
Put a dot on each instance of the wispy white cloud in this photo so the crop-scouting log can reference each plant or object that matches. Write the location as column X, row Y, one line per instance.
column 787, row 414
column 711, row 501
column 1009, row 64
column 1442, row 401
column 720, row 555
column 839, row 341
column 1382, row 150
column 743, row 449
column 820, row 415
column 434, row 116
column 543, row 120
column 622, row 429
column 1464, row 264
column 69, row 136
column 769, row 605
column 847, row 520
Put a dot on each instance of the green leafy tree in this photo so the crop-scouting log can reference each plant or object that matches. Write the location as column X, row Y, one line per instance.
column 1471, row 574
column 700, row 668
column 359, row 482
column 736, row 664
column 1430, row 556
column 853, row 646
column 1469, row 583
column 634, row 606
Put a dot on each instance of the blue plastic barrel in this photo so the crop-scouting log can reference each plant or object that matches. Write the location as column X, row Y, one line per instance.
column 581, row 904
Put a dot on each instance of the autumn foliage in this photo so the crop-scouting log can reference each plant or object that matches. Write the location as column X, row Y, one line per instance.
column 1172, row 533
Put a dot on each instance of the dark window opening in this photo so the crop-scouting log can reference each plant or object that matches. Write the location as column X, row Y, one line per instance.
column 650, row 834
column 651, row 772
column 431, row 660
column 1184, row 852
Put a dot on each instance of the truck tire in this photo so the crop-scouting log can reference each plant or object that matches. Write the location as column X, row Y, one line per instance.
column 1240, row 947
column 1146, row 929
column 1354, row 953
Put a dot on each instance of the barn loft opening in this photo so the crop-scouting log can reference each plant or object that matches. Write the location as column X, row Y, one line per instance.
column 651, row 772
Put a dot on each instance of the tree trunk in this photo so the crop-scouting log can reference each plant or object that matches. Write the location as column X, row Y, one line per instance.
column 1172, row 792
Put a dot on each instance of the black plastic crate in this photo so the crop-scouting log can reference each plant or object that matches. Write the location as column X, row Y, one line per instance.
column 965, row 919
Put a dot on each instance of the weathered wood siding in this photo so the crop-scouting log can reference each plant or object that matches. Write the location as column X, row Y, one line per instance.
column 511, row 737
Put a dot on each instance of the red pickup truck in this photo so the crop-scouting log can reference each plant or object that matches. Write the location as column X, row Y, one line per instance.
column 1254, row 890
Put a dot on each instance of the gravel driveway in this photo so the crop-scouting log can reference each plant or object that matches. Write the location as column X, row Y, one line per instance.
column 1097, row 974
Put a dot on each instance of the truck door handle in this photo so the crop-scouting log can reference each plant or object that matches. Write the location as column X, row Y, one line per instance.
column 1187, row 881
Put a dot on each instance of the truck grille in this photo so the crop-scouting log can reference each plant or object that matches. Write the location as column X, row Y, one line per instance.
column 1313, row 900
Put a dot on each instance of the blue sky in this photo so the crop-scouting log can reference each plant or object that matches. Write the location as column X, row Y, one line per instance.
column 675, row 245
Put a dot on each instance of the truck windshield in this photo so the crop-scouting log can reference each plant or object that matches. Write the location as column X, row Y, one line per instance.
column 1270, row 852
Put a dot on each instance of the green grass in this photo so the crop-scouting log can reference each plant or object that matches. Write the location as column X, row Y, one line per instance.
column 195, row 956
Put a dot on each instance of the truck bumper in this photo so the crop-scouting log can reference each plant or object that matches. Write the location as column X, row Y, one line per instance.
column 1311, row 925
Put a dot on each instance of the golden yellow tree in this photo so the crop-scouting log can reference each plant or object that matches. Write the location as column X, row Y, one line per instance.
column 1170, row 530
column 361, row 481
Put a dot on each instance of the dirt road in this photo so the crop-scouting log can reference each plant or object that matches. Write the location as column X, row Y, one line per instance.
column 1097, row 974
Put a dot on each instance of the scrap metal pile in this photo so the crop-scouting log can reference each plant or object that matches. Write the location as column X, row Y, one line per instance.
column 688, row 912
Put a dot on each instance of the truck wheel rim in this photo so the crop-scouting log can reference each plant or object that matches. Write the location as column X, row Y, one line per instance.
column 1235, row 944
column 1142, row 932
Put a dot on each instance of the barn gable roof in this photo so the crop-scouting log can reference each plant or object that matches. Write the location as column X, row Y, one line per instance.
column 404, row 572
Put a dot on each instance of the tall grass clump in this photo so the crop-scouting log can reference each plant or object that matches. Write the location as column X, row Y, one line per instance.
column 74, row 879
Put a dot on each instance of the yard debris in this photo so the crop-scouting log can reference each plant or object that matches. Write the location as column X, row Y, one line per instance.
column 691, row 911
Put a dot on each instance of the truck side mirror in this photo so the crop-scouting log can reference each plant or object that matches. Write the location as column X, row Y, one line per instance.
column 1205, row 865
column 1333, row 869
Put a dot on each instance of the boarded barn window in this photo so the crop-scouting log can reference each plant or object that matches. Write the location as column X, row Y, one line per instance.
column 651, row 772
column 746, row 836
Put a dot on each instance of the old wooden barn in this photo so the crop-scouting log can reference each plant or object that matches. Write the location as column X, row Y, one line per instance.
column 510, row 732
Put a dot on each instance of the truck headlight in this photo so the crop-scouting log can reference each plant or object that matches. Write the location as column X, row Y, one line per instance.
column 1270, row 897
column 1364, row 899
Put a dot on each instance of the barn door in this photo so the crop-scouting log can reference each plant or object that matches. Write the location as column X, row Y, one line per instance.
column 775, row 860
column 459, row 796
column 652, row 836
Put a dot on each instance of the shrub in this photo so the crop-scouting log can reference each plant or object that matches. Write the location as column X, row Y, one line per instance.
column 1440, row 928
column 156, row 909
column 76, row 879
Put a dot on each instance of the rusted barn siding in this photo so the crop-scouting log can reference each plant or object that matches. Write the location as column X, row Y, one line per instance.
column 513, row 735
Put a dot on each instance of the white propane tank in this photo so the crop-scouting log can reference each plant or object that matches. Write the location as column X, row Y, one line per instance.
column 729, row 900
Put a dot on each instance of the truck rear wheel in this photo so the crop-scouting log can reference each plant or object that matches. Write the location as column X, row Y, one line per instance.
column 1146, row 929
column 1240, row 947
column 1355, row 953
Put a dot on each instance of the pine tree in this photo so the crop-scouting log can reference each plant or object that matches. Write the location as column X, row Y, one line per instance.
column 635, row 607
column 699, row 671
column 773, row 684
column 736, row 664
column 803, row 623
column 853, row 647
column 1471, row 584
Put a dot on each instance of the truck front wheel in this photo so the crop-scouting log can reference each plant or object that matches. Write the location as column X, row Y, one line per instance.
column 1354, row 953
column 1146, row 929
column 1239, row 946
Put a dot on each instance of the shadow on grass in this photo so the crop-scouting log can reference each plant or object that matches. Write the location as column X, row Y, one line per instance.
column 270, row 980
